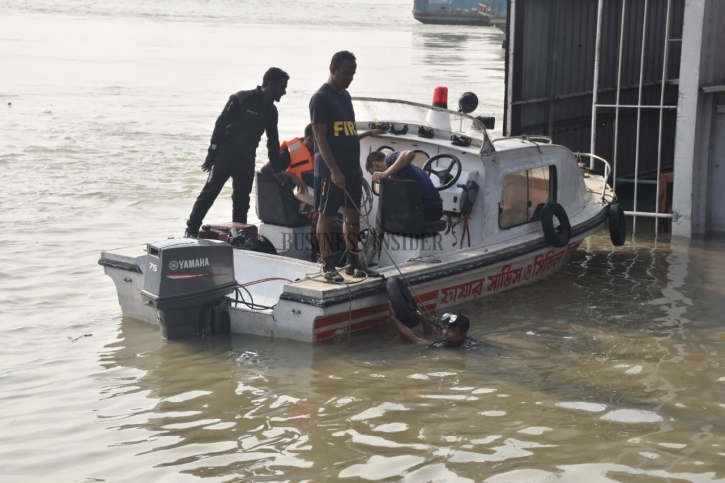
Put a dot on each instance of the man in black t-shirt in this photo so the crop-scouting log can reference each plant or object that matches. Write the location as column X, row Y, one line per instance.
column 338, row 177
column 233, row 147
column 455, row 328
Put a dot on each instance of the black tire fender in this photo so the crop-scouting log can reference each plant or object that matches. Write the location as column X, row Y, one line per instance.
column 260, row 244
column 555, row 236
column 617, row 224
column 402, row 300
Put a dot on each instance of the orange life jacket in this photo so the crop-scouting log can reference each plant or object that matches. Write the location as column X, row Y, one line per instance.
column 301, row 159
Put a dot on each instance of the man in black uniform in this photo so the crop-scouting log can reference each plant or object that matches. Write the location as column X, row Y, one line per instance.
column 234, row 144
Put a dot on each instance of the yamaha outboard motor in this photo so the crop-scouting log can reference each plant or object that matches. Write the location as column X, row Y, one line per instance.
column 187, row 281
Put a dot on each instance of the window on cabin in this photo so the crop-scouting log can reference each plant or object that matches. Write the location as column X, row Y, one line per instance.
column 524, row 195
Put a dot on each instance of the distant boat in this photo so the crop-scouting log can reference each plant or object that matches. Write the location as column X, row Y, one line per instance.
column 497, row 10
column 460, row 12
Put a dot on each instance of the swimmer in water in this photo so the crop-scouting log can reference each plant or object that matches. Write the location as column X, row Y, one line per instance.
column 453, row 333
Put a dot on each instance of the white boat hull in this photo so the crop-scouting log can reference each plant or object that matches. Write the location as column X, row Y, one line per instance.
column 313, row 324
column 329, row 311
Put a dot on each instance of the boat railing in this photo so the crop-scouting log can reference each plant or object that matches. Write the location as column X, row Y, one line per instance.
column 607, row 169
column 403, row 114
column 538, row 138
column 535, row 139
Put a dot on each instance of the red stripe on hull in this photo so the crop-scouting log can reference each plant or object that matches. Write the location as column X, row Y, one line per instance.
column 326, row 334
column 326, row 321
column 427, row 296
column 321, row 322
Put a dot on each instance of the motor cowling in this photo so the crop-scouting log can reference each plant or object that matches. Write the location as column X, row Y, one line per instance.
column 187, row 281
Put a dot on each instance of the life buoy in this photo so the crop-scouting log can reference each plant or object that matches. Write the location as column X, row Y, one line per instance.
column 555, row 236
column 402, row 301
column 617, row 225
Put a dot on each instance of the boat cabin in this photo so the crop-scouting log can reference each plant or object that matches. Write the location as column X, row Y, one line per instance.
column 493, row 189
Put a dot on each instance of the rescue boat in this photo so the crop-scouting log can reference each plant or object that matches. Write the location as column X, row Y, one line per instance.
column 515, row 211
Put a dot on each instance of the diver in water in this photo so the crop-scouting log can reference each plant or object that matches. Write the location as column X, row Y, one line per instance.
column 453, row 333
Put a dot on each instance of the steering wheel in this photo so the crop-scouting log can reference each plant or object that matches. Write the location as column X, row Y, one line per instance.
column 444, row 176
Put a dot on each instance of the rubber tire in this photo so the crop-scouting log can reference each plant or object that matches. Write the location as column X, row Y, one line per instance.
column 617, row 224
column 402, row 300
column 260, row 245
column 557, row 238
column 269, row 247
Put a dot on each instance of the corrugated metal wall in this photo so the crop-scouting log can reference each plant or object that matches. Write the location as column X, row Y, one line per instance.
column 554, row 70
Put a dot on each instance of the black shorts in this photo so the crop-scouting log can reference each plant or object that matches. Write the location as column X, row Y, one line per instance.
column 329, row 198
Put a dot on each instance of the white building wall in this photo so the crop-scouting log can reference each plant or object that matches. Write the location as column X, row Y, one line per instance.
column 699, row 169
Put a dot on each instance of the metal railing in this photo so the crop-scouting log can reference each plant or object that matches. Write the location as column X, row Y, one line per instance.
column 533, row 138
column 607, row 170
column 617, row 106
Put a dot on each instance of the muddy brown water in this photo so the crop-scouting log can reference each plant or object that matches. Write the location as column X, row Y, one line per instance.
column 609, row 370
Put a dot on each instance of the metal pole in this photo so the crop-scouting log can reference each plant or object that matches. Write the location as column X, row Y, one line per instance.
column 639, row 114
column 685, row 204
column 509, row 84
column 641, row 181
column 647, row 214
column 634, row 106
column 551, row 77
column 595, row 89
column 616, row 102
column 665, row 64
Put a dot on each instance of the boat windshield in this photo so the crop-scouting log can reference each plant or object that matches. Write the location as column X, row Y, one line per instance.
column 375, row 112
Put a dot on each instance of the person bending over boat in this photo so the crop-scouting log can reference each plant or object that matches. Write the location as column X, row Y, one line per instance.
column 453, row 334
column 398, row 165
column 295, row 158
column 338, row 177
column 233, row 147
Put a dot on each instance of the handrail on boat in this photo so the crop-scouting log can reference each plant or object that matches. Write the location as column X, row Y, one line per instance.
column 486, row 142
column 607, row 169
column 526, row 137
column 533, row 138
